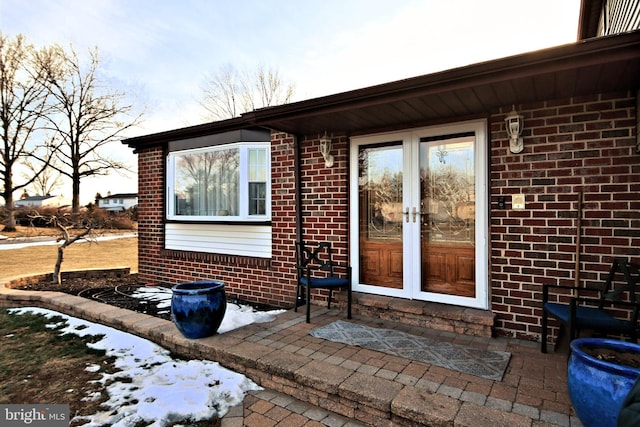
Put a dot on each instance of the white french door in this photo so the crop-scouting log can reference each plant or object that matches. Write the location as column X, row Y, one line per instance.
column 419, row 227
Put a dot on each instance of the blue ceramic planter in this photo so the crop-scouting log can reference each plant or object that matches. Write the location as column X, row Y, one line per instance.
column 197, row 308
column 597, row 388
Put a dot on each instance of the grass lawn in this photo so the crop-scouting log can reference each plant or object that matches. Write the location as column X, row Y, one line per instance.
column 37, row 365
column 41, row 366
column 80, row 255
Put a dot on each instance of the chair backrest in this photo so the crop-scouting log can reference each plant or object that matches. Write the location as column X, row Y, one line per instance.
column 319, row 257
column 630, row 273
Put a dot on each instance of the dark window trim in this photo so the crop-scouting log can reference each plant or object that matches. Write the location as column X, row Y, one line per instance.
column 224, row 138
column 446, row 137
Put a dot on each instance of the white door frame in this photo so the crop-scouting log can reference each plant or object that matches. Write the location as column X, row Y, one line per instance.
column 411, row 230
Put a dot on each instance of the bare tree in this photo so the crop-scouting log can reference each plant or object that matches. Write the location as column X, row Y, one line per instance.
column 45, row 181
column 23, row 102
column 71, row 229
column 88, row 116
column 229, row 92
column 67, row 239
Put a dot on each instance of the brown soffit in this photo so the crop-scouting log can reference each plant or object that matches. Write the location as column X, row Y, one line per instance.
column 605, row 64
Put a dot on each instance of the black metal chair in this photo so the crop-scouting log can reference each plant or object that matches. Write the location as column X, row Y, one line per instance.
column 593, row 308
column 315, row 269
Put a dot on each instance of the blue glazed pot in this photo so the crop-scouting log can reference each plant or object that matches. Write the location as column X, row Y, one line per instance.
column 197, row 308
column 597, row 388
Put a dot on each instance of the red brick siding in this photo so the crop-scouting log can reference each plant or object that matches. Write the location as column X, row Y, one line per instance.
column 325, row 203
column 269, row 282
column 580, row 144
column 325, row 196
column 150, row 214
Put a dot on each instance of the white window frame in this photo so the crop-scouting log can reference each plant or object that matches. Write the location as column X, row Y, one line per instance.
column 243, row 203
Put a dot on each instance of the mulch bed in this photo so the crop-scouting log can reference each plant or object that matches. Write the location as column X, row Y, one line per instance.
column 113, row 291
column 117, row 292
column 75, row 285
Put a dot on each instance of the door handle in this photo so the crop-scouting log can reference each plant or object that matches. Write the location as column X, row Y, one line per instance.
column 415, row 213
column 406, row 214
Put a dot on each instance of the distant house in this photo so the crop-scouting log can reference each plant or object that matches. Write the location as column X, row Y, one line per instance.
column 41, row 201
column 118, row 202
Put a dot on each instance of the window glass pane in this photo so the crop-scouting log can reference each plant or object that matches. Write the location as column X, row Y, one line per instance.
column 257, row 198
column 257, row 164
column 380, row 192
column 447, row 189
column 207, row 183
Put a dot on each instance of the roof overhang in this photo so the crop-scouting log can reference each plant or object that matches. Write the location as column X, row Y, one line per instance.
column 598, row 65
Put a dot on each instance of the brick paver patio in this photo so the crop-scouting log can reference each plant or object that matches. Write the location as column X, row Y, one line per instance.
column 313, row 382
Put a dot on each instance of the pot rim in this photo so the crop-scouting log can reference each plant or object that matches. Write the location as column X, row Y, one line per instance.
column 198, row 287
column 577, row 345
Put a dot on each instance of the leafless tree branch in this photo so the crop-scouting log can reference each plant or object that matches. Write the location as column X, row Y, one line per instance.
column 230, row 92
column 23, row 106
column 87, row 117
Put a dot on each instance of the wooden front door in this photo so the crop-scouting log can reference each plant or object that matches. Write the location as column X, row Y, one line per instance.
column 380, row 224
column 420, row 197
column 447, row 220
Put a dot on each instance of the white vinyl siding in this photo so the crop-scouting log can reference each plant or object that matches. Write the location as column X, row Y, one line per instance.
column 236, row 239
column 618, row 16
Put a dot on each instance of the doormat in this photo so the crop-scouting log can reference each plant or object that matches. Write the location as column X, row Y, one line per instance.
column 481, row 363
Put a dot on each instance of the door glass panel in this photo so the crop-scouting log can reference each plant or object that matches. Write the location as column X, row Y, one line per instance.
column 380, row 174
column 447, row 220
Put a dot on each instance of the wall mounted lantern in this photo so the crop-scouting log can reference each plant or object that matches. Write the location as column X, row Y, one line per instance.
column 325, row 150
column 514, row 123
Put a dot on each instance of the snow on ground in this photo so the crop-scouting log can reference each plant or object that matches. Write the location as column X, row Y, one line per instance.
column 158, row 388
column 236, row 316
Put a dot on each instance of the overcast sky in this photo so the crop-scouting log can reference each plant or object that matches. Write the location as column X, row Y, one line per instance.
column 159, row 51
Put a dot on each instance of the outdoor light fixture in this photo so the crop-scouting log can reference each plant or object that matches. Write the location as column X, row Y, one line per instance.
column 325, row 150
column 514, row 123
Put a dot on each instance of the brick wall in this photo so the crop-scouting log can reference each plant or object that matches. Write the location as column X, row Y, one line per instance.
column 325, row 196
column 571, row 146
column 325, row 206
column 264, row 281
column 150, row 214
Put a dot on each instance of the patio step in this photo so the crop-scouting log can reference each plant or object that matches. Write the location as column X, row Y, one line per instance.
column 281, row 356
column 441, row 317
